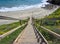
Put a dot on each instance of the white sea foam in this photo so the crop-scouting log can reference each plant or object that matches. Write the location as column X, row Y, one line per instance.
column 23, row 7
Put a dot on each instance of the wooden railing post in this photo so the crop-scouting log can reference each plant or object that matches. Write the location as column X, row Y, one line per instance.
column 39, row 36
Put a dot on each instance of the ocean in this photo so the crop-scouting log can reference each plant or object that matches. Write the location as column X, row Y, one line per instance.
column 14, row 5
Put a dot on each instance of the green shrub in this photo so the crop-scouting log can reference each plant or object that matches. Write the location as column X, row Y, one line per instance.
column 10, row 38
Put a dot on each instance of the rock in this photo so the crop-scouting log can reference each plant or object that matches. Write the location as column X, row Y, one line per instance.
column 57, row 2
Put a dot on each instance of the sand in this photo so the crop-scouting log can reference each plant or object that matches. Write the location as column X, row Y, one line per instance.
column 20, row 14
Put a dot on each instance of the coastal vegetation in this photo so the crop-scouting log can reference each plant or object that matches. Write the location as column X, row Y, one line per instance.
column 7, row 27
column 55, row 14
column 10, row 38
column 51, row 22
column 48, row 36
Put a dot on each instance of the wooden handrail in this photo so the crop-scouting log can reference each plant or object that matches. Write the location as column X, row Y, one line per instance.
column 39, row 36
column 51, row 32
column 11, row 31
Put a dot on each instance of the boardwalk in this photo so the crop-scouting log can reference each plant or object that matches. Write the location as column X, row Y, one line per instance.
column 28, row 36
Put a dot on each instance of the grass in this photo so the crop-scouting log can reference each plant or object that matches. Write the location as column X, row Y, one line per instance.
column 49, row 37
column 10, row 38
column 52, row 22
column 49, row 24
column 54, row 28
column 7, row 27
column 55, row 14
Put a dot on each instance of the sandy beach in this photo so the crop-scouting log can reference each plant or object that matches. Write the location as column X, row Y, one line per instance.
column 35, row 12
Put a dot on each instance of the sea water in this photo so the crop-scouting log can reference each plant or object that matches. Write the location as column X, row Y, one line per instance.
column 14, row 5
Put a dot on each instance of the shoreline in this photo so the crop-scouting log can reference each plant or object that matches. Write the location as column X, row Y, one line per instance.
column 23, row 7
column 26, row 13
column 35, row 12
